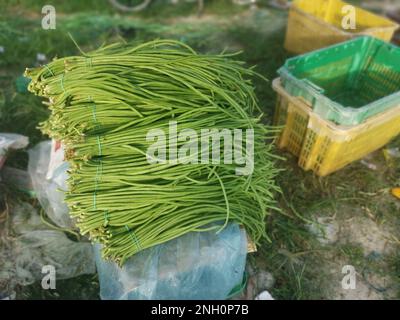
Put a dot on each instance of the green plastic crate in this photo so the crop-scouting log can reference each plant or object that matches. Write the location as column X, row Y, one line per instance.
column 346, row 83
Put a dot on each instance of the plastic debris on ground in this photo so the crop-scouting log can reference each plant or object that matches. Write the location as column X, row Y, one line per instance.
column 369, row 165
column 18, row 178
column 396, row 192
column 27, row 244
column 265, row 295
column 48, row 173
column 198, row 265
column 21, row 84
column 11, row 141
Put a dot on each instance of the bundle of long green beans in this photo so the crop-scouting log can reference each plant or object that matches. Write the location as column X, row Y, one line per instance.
column 104, row 103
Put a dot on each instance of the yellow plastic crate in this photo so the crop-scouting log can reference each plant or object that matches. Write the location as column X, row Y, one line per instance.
column 323, row 146
column 315, row 24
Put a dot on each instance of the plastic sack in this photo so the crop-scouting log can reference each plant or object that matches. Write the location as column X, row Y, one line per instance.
column 30, row 244
column 11, row 141
column 17, row 178
column 48, row 188
column 38, row 248
column 198, row 265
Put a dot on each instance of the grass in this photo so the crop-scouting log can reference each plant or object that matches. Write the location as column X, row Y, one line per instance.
column 294, row 256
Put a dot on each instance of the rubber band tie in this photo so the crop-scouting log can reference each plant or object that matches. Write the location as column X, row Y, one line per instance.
column 99, row 145
column 88, row 62
column 62, row 82
column 99, row 170
column 94, row 113
column 51, row 72
column 105, row 218
column 134, row 238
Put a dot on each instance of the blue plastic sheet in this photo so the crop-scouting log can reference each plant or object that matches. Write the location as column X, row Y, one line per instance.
column 198, row 265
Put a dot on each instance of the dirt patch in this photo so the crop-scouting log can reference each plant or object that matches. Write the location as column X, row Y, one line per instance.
column 362, row 231
column 367, row 286
column 355, row 239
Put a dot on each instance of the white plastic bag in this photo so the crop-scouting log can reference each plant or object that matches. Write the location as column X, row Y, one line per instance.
column 28, row 245
column 36, row 249
column 49, row 184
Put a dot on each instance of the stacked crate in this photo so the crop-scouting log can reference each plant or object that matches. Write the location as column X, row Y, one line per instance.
column 315, row 24
column 340, row 103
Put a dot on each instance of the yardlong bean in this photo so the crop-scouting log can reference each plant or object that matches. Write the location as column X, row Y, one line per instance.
column 103, row 105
